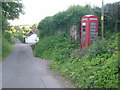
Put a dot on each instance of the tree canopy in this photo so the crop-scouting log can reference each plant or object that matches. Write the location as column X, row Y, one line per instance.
column 62, row 21
column 12, row 10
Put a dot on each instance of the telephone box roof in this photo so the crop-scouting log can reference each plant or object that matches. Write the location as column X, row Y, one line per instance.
column 89, row 16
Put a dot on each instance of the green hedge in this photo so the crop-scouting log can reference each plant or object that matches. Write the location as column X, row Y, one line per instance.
column 20, row 37
column 97, row 69
column 6, row 47
column 54, row 47
column 7, row 44
column 9, row 37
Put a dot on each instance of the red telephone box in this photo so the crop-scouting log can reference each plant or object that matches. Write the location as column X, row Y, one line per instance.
column 89, row 30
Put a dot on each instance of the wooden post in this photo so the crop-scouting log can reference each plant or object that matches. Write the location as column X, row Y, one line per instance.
column 102, row 20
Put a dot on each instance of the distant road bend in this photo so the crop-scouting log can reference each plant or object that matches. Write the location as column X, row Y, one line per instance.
column 22, row 70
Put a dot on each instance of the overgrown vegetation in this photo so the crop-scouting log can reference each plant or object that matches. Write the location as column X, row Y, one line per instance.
column 6, row 47
column 8, row 11
column 95, row 67
column 7, row 43
column 94, row 70
column 20, row 37
column 55, row 47
column 64, row 20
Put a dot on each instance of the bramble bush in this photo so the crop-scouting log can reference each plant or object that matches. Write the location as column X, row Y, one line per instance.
column 54, row 47
column 20, row 37
column 97, row 69
column 8, row 37
column 93, row 70
column 6, row 47
column 7, row 44
column 100, row 46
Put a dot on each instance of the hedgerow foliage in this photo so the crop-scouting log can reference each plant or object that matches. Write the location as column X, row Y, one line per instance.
column 20, row 37
column 8, row 11
column 56, row 47
column 7, row 44
column 97, row 69
column 63, row 21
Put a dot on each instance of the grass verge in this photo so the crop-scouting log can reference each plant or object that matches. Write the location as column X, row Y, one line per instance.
column 6, row 48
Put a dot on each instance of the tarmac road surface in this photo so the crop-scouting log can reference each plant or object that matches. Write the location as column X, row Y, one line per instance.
column 22, row 70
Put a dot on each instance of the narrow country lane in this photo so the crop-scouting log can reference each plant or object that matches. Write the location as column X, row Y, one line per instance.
column 22, row 70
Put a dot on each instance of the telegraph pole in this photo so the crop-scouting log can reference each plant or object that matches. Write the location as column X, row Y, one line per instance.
column 118, row 23
column 102, row 20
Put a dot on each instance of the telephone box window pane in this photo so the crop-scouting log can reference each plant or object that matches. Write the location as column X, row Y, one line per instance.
column 92, row 29
column 93, row 18
column 92, row 32
column 83, row 29
column 84, row 32
column 83, row 38
column 83, row 41
column 83, row 26
column 92, row 38
column 83, row 44
column 85, row 19
column 92, row 35
column 93, row 24
column 83, row 35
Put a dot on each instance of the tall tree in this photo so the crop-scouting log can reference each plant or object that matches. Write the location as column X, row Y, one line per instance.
column 34, row 26
column 10, row 11
column 111, row 16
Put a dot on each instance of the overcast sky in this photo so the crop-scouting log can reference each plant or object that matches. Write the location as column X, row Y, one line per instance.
column 36, row 10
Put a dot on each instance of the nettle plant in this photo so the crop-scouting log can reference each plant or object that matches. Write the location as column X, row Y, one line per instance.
column 98, row 47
